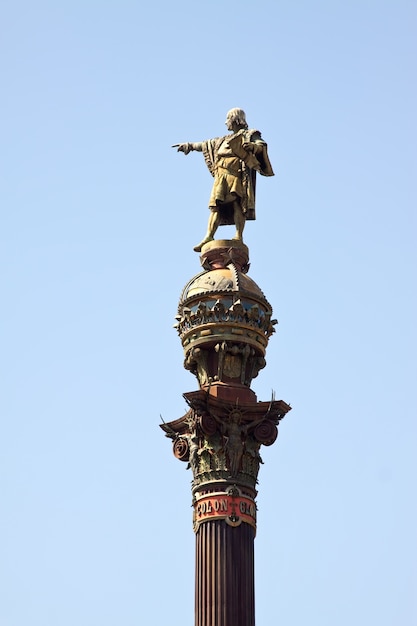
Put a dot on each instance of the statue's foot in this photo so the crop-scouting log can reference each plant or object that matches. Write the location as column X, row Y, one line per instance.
column 201, row 244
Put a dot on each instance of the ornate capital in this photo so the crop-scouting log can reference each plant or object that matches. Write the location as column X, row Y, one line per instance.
column 221, row 441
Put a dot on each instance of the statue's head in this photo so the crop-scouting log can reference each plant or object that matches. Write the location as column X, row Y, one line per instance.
column 236, row 116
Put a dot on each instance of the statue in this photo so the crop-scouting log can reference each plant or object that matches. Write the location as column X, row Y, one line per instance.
column 233, row 161
column 235, row 436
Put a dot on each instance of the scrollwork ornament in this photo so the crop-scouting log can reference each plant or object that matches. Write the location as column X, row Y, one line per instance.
column 266, row 432
column 208, row 425
column 181, row 449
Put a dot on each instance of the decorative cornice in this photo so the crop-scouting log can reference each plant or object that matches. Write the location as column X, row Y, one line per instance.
column 220, row 441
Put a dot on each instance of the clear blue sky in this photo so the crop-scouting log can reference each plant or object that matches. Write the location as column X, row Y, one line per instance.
column 99, row 217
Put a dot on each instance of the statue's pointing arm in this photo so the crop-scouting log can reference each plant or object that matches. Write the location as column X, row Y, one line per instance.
column 188, row 147
column 208, row 148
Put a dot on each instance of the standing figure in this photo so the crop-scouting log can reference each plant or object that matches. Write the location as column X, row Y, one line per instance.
column 233, row 161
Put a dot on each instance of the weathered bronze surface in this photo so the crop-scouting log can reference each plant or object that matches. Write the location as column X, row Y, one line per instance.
column 224, row 322
column 220, row 440
column 233, row 161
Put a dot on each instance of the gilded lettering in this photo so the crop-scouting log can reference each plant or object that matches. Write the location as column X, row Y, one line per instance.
column 247, row 508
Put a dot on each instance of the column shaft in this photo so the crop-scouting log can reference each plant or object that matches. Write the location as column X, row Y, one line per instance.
column 224, row 592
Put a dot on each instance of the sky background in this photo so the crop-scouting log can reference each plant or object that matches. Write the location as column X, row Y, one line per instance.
column 99, row 218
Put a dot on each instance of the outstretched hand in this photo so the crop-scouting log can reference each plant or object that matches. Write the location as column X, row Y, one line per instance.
column 183, row 147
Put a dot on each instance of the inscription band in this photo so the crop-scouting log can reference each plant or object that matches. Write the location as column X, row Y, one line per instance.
column 234, row 509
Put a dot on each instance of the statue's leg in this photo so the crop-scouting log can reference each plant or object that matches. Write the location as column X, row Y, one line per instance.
column 239, row 220
column 213, row 224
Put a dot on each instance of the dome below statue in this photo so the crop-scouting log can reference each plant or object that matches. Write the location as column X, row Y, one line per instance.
column 224, row 320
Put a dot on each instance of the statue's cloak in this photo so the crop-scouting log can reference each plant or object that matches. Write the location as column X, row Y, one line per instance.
column 233, row 161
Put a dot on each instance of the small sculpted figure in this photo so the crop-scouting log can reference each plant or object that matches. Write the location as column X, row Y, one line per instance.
column 233, row 161
column 234, row 434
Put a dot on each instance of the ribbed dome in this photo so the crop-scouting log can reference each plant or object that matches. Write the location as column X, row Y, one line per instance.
column 224, row 320
column 221, row 281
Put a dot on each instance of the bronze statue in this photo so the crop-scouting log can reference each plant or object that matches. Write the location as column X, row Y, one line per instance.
column 233, row 161
column 234, row 434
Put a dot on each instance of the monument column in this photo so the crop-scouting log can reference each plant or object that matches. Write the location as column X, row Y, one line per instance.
column 224, row 323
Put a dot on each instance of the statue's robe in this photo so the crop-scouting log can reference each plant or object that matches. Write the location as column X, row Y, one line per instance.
column 234, row 169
